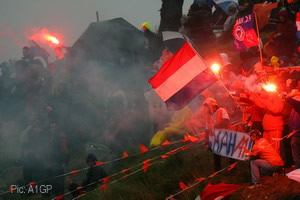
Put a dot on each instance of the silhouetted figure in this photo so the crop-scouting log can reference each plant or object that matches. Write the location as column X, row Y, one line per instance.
column 95, row 173
column 170, row 15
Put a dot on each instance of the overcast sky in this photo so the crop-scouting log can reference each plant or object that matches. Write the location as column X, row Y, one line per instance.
column 67, row 18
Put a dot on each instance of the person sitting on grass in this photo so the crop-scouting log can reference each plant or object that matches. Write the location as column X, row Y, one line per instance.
column 263, row 158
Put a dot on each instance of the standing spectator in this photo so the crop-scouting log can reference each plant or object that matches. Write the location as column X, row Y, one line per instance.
column 154, row 45
column 283, row 40
column 286, row 153
column 246, row 8
column 232, row 11
column 95, row 173
column 294, row 125
column 273, row 119
column 59, row 155
column 198, row 25
column 216, row 118
column 273, row 20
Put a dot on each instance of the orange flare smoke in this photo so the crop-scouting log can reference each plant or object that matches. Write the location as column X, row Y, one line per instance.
column 52, row 39
column 270, row 87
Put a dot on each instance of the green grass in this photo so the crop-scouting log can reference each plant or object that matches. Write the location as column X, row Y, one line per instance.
column 162, row 180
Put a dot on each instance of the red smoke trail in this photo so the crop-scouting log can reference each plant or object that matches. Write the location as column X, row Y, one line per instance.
column 45, row 37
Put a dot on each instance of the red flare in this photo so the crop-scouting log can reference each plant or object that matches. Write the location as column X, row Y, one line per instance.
column 269, row 87
column 98, row 163
column 214, row 174
column 32, row 184
column 200, row 179
column 52, row 39
column 143, row 149
column 215, row 68
column 59, row 53
column 103, row 188
column 164, row 156
column 166, row 143
column 106, row 180
column 125, row 155
column 74, row 173
column 182, row 186
column 185, row 148
column 232, row 166
column 59, row 197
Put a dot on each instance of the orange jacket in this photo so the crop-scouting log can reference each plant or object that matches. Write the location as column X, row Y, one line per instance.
column 273, row 118
column 265, row 151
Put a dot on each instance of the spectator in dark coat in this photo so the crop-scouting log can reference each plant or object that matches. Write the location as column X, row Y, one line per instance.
column 246, row 8
column 294, row 124
column 273, row 20
column 283, row 40
column 95, row 173
column 198, row 24
column 154, row 43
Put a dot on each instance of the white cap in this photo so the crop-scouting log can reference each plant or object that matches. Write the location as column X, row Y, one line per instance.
column 225, row 59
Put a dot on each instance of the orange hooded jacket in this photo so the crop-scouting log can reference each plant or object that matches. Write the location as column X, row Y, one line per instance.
column 273, row 106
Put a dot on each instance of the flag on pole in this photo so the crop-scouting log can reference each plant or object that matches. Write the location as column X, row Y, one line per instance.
column 223, row 4
column 294, row 175
column 244, row 33
column 181, row 78
column 298, row 25
column 218, row 191
column 263, row 11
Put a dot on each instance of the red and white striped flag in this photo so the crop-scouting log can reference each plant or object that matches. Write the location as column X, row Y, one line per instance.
column 181, row 78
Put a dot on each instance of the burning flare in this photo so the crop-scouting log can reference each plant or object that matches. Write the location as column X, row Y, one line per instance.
column 269, row 87
column 52, row 39
column 215, row 68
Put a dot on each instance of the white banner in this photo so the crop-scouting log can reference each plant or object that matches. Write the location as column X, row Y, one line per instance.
column 230, row 143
